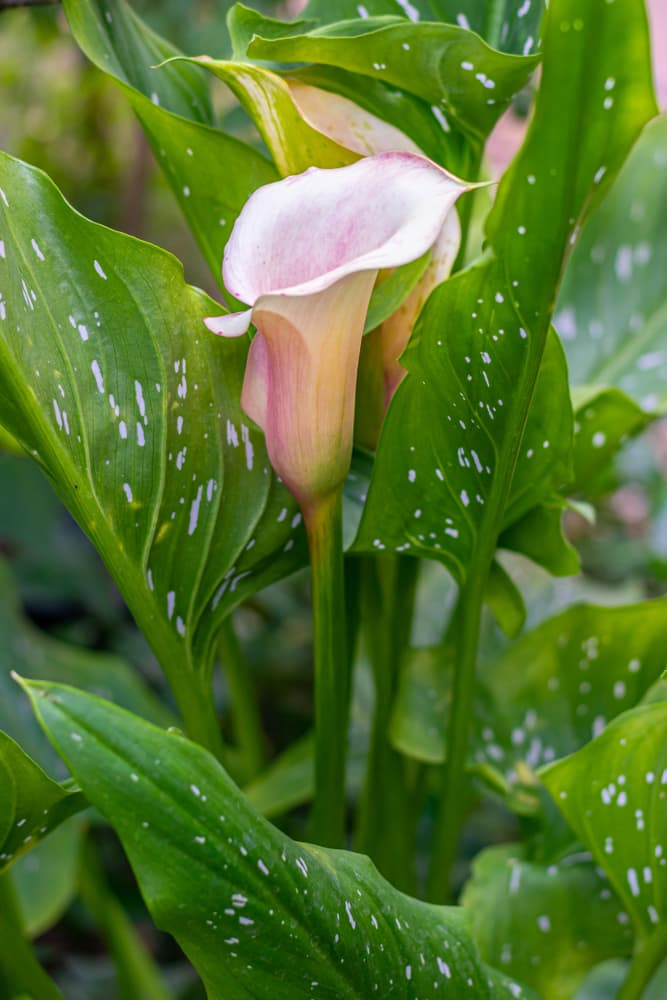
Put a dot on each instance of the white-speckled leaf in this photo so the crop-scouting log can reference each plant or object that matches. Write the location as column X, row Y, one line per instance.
column 452, row 69
column 547, row 695
column 548, row 925
column 259, row 915
column 31, row 803
column 211, row 174
column 508, row 25
column 612, row 310
column 613, row 793
column 110, row 379
column 454, row 448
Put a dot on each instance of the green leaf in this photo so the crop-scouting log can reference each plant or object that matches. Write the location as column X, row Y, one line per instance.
column 46, row 879
column 612, row 310
column 21, row 975
column 454, row 448
column 612, row 793
column 257, row 914
column 548, row 926
column 505, row 601
column 109, row 377
column 450, row 68
column 539, row 536
column 294, row 144
column 605, row 419
column 393, row 291
column 30, row 652
column 31, row 803
column 509, row 25
column 211, row 174
column 545, row 696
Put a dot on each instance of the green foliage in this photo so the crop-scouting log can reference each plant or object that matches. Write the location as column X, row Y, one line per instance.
column 110, row 381
column 255, row 912
column 133, row 446
column 546, row 925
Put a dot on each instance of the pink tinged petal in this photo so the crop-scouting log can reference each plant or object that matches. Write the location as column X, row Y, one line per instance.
column 346, row 123
column 300, row 382
column 231, row 324
column 302, row 234
column 396, row 330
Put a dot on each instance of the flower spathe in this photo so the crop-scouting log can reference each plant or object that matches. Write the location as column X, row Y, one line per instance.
column 304, row 255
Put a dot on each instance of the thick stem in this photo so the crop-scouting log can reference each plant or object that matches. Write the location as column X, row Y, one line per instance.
column 138, row 976
column 324, row 524
column 465, row 625
column 649, row 954
column 387, row 816
column 194, row 697
column 20, row 972
column 245, row 712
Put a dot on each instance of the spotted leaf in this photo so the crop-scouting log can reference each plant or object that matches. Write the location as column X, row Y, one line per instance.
column 258, row 914
column 31, row 803
column 548, row 925
column 547, row 695
column 479, row 347
column 612, row 310
column 452, row 69
column 173, row 106
column 109, row 378
column 613, row 793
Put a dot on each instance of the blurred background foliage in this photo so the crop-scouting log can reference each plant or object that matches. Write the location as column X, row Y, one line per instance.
column 59, row 112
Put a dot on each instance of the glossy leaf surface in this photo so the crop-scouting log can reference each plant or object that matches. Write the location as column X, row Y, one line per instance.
column 110, row 379
column 443, row 64
column 612, row 793
column 453, row 447
column 31, row 803
column 258, row 914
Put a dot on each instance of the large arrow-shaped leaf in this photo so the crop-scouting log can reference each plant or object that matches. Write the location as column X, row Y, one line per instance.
column 110, row 379
column 453, row 453
column 258, row 914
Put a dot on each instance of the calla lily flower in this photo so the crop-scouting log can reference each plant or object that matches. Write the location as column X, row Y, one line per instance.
column 304, row 255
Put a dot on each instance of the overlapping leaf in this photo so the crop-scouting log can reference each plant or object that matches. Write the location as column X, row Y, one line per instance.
column 258, row 915
column 612, row 793
column 546, row 696
column 476, row 353
column 509, row 25
column 110, row 379
column 212, row 174
column 31, row 803
column 548, row 926
column 452, row 69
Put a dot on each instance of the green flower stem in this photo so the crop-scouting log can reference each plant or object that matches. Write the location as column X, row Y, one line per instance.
column 245, row 712
column 20, row 972
column 386, row 825
column 465, row 627
column 138, row 976
column 194, row 697
column 648, row 956
column 324, row 524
